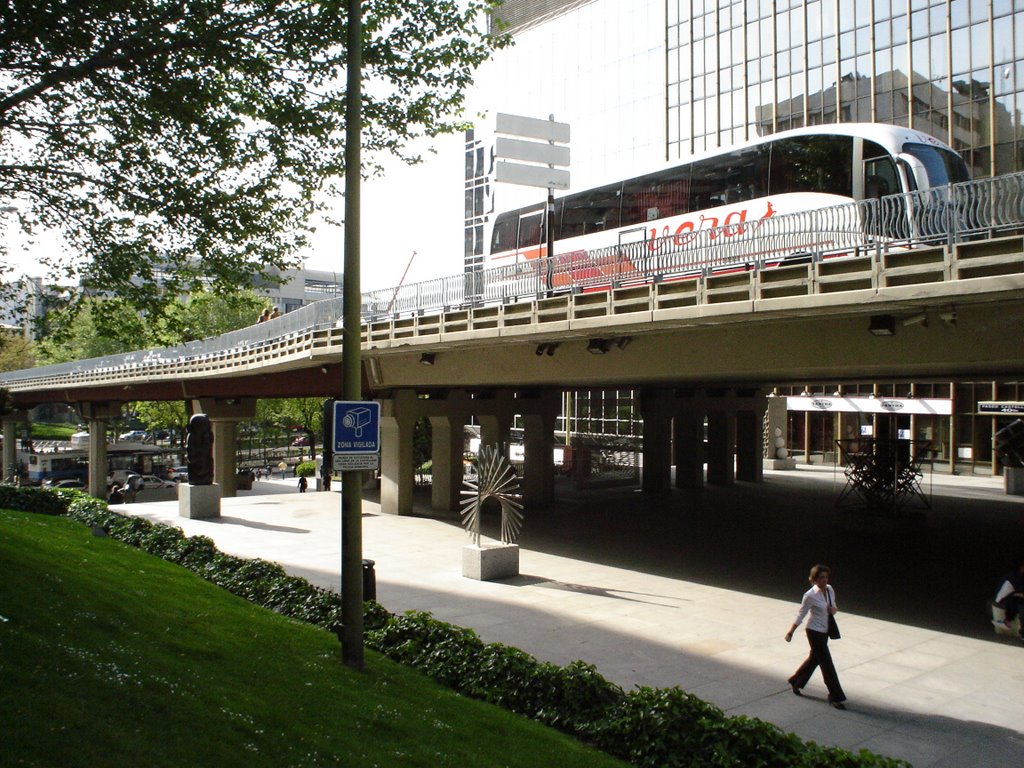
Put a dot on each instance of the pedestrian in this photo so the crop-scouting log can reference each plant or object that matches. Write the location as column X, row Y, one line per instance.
column 275, row 312
column 116, row 496
column 820, row 602
column 303, row 484
column 259, row 473
column 264, row 316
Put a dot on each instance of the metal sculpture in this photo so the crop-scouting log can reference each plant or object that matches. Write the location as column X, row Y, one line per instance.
column 496, row 479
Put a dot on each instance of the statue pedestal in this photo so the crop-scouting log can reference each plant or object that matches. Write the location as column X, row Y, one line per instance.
column 489, row 562
column 198, row 501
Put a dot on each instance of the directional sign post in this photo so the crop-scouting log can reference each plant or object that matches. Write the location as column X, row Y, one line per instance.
column 541, row 144
column 356, row 444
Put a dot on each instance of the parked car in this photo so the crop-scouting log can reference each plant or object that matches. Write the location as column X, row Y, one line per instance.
column 177, row 474
column 301, row 440
column 136, row 436
column 67, row 482
column 152, row 481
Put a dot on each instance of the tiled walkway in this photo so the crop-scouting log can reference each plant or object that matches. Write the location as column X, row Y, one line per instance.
column 697, row 589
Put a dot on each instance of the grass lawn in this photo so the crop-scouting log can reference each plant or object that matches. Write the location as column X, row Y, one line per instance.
column 111, row 657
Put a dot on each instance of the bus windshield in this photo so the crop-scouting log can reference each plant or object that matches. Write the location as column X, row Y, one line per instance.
column 942, row 165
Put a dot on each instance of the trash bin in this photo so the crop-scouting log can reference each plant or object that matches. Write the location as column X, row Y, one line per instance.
column 369, row 581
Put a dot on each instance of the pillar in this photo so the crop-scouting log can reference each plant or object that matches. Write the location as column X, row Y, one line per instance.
column 689, row 448
column 721, row 446
column 10, row 456
column 446, row 461
column 495, row 416
column 397, row 420
column 97, row 415
column 749, row 446
column 657, row 442
column 224, row 416
column 539, row 449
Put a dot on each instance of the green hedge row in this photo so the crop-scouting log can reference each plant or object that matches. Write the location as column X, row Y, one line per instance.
column 646, row 726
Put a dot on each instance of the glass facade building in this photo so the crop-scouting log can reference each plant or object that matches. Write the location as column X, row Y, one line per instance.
column 649, row 82
column 951, row 68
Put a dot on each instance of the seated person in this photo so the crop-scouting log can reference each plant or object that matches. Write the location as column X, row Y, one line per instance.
column 1010, row 596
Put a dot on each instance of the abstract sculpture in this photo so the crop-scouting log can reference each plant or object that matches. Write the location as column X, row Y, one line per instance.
column 496, row 479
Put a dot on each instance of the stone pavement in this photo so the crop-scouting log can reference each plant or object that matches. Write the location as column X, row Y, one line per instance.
column 697, row 589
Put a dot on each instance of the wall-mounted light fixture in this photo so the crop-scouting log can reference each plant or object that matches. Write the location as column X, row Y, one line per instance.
column 623, row 341
column 949, row 317
column 427, row 358
column 597, row 346
column 882, row 325
column 546, row 349
column 919, row 319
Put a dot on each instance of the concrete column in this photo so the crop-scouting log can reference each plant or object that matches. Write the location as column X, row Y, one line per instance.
column 397, row 420
column 224, row 416
column 657, row 442
column 97, row 415
column 689, row 448
column 10, row 456
column 749, row 446
column 495, row 416
column 539, row 445
column 446, row 461
column 721, row 447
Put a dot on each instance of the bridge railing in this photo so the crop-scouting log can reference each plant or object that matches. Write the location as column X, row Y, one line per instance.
column 951, row 214
column 948, row 214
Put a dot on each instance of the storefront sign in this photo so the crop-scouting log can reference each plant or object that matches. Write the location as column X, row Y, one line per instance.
column 902, row 405
column 995, row 407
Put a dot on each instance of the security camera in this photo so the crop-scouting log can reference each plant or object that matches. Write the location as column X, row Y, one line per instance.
column 356, row 419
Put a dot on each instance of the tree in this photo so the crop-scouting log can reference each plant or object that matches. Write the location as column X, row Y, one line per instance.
column 192, row 140
column 16, row 352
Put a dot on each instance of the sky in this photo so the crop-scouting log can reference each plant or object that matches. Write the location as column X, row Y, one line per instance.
column 408, row 209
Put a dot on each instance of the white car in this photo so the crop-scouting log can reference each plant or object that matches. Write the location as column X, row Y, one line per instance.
column 151, row 481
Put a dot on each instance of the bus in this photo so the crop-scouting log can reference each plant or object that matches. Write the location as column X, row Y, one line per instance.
column 122, row 458
column 728, row 193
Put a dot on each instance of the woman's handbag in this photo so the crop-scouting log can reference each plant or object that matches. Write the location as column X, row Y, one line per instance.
column 833, row 628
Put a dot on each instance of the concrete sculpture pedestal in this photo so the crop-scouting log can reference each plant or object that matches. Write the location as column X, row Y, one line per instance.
column 198, row 501
column 489, row 562
column 1013, row 480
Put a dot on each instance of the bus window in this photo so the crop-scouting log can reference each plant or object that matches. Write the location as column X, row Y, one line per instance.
column 942, row 166
column 656, row 196
column 812, row 164
column 594, row 211
column 503, row 236
column 880, row 177
column 529, row 229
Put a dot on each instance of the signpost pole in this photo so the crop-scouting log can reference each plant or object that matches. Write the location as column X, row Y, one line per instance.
column 351, row 486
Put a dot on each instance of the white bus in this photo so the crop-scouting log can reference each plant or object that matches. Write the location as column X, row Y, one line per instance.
column 726, row 192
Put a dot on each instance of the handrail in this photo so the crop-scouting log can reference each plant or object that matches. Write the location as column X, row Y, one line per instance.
column 944, row 215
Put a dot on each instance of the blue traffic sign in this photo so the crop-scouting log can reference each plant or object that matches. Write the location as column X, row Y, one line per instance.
column 356, row 426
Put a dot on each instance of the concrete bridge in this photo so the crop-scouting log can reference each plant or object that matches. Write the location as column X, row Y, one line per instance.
column 699, row 344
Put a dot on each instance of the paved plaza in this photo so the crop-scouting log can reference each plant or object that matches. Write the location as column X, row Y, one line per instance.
column 697, row 589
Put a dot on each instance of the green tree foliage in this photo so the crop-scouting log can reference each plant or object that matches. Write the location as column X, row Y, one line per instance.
column 16, row 352
column 192, row 140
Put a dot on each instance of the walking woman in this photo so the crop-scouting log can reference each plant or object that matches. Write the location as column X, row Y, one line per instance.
column 820, row 602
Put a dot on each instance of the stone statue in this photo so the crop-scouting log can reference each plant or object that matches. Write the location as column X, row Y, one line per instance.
column 199, row 450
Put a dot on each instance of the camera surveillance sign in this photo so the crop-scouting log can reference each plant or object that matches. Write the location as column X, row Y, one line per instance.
column 356, row 435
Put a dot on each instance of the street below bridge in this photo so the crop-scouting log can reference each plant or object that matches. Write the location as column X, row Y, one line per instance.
column 697, row 588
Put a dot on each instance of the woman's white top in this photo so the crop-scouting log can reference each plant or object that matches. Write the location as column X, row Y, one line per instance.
column 815, row 604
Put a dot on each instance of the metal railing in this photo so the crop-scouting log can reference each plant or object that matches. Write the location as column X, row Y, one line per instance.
column 945, row 215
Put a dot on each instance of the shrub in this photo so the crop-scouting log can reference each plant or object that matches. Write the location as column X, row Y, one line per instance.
column 305, row 469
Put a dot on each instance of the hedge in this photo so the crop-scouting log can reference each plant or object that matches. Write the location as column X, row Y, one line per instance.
column 646, row 726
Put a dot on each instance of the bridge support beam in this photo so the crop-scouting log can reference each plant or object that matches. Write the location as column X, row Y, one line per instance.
column 539, row 448
column 496, row 415
column 656, row 410
column 10, row 455
column 721, row 446
column 749, row 444
column 224, row 416
column 446, row 461
column 688, row 438
column 397, row 421
column 97, row 415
